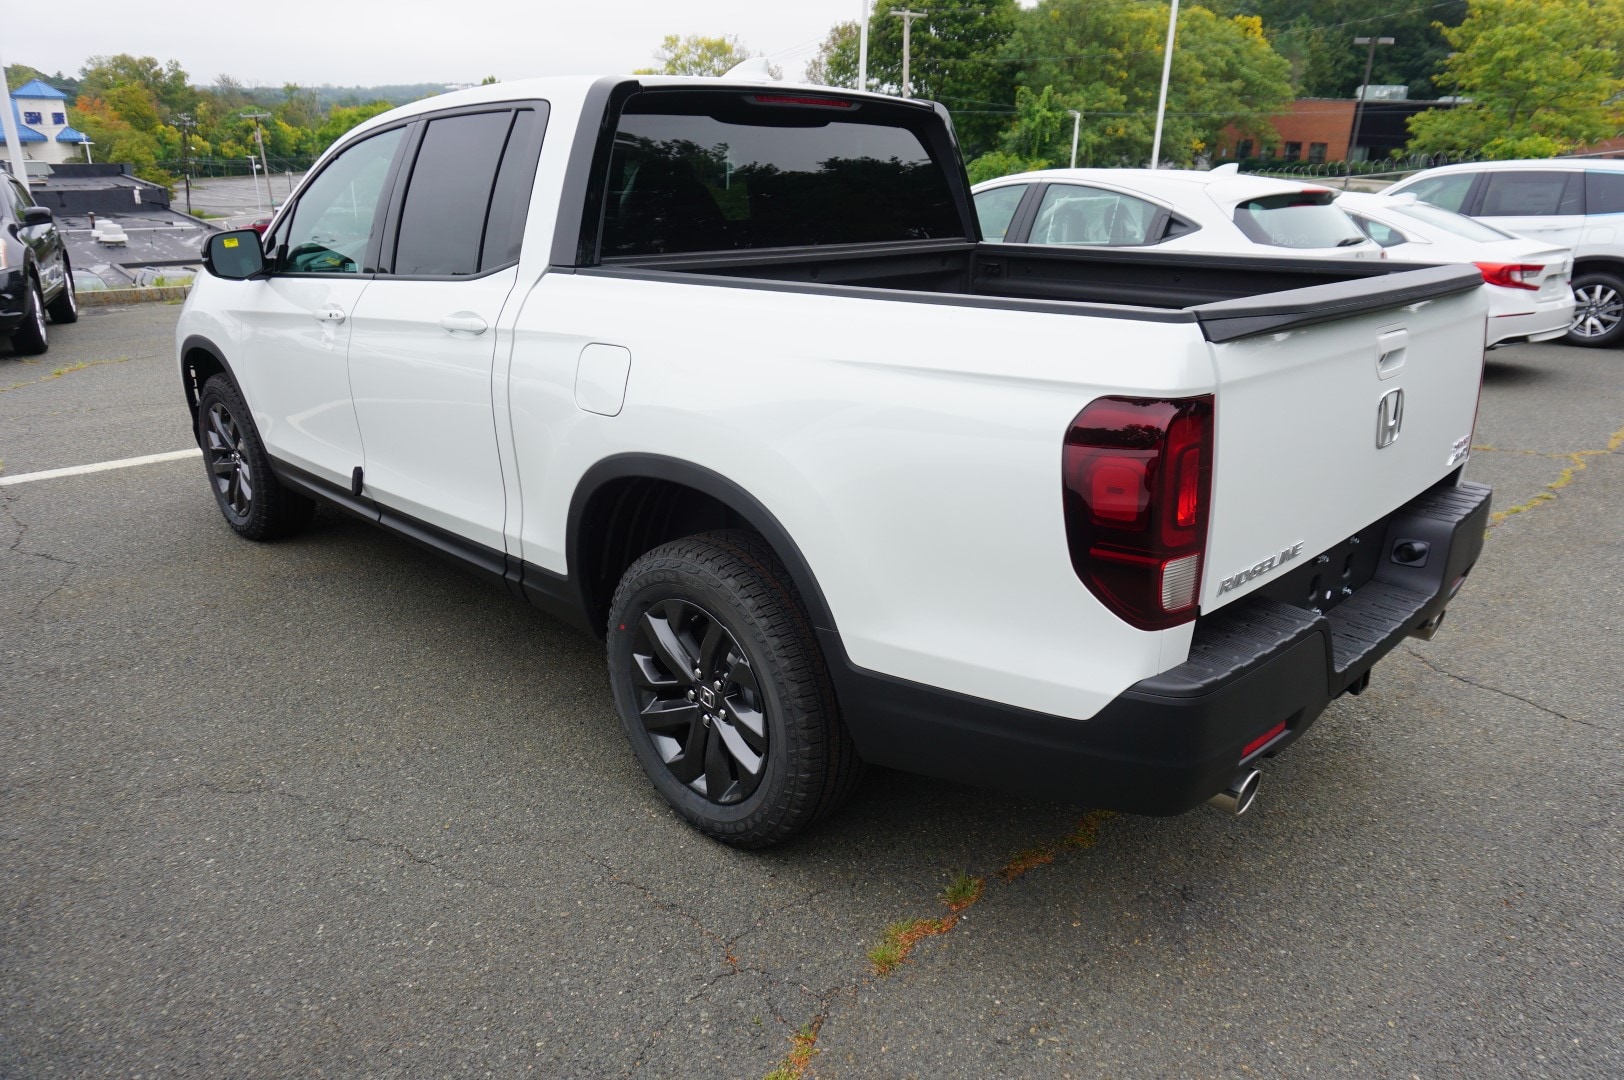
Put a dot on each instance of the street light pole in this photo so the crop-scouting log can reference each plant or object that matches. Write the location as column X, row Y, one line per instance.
column 907, row 18
column 256, row 117
column 1359, row 106
column 253, row 167
column 1076, row 125
column 1167, row 70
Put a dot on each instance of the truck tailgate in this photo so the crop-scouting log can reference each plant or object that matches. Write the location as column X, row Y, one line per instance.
column 1335, row 405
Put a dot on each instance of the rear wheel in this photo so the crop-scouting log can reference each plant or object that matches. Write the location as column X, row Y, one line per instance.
column 1598, row 314
column 253, row 502
column 65, row 308
column 722, row 690
column 30, row 339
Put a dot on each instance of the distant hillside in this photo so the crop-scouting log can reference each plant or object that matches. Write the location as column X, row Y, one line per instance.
column 329, row 96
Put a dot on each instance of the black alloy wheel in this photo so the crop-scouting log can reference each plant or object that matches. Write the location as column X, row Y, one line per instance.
column 1598, row 313
column 700, row 701
column 251, row 499
column 31, row 339
column 722, row 690
column 225, row 453
column 65, row 308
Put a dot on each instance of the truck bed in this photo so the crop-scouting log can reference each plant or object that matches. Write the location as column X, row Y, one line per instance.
column 1230, row 296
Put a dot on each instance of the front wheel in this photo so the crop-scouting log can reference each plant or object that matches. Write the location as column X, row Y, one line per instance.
column 31, row 339
column 253, row 502
column 722, row 690
column 1598, row 313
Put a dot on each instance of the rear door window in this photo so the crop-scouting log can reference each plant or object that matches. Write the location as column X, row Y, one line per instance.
column 996, row 207
column 1604, row 192
column 715, row 172
column 1529, row 193
column 1078, row 214
column 442, row 221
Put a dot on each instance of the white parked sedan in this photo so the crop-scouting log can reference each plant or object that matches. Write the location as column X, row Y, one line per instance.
column 1222, row 211
column 1530, row 296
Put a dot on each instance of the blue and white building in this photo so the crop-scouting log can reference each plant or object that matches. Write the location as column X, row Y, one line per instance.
column 42, row 124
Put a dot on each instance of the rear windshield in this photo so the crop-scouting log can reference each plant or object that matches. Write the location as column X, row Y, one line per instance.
column 1297, row 219
column 1451, row 222
column 717, row 172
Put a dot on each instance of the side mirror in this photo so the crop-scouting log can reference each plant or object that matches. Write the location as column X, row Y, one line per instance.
column 37, row 215
column 235, row 256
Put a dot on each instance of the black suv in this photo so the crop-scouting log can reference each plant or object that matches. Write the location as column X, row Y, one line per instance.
column 35, row 279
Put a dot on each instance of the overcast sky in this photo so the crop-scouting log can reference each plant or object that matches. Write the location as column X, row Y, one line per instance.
column 373, row 42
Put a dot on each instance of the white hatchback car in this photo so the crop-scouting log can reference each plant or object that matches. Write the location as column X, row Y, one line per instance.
column 1218, row 212
column 1530, row 298
column 1575, row 202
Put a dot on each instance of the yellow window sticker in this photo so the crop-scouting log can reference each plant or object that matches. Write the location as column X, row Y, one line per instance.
column 230, row 241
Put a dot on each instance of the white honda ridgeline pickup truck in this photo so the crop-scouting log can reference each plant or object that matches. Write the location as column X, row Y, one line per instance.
column 724, row 373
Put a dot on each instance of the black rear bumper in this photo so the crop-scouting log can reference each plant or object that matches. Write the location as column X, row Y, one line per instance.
column 1169, row 743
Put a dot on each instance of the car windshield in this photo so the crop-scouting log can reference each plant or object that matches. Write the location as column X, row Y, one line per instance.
column 1297, row 219
column 1451, row 222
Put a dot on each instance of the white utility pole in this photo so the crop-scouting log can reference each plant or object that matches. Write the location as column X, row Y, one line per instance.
column 14, row 140
column 862, row 48
column 1076, row 125
column 1167, row 70
column 907, row 18
column 253, row 167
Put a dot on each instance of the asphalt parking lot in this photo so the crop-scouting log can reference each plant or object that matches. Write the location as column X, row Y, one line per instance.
column 329, row 808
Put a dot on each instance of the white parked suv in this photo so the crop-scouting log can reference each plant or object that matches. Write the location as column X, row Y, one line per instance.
column 1575, row 203
column 1222, row 211
column 724, row 374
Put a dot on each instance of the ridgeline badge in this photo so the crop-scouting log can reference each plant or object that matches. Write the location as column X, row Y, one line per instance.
column 1269, row 565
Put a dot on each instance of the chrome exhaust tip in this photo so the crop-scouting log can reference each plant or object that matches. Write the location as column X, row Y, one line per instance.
column 1237, row 798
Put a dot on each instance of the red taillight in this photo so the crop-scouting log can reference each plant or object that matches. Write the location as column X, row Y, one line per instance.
column 798, row 99
column 1512, row 275
column 1137, row 476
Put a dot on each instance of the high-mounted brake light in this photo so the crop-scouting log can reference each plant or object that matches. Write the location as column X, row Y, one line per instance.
column 797, row 99
column 1512, row 275
column 1137, row 479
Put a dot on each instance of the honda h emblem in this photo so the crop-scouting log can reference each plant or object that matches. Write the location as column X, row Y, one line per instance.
column 1389, row 417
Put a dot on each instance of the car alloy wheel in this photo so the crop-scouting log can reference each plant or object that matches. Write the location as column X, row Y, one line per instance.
column 227, row 455
column 1598, row 311
column 700, row 701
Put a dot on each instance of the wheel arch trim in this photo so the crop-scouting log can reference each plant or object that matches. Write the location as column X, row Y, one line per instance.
column 708, row 482
column 200, row 343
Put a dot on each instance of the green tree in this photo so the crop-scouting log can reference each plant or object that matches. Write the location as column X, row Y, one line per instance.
column 342, row 118
column 1104, row 58
column 836, row 61
column 167, row 83
column 1030, row 141
column 1316, row 36
column 696, row 55
column 1543, row 77
column 955, row 58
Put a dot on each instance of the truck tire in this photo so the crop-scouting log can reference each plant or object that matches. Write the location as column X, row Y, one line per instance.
column 30, row 339
column 1598, row 317
column 723, row 693
column 251, row 499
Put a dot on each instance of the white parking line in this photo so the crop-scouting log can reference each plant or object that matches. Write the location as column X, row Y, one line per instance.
column 100, row 466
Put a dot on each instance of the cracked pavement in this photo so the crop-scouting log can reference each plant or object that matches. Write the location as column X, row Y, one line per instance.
column 330, row 808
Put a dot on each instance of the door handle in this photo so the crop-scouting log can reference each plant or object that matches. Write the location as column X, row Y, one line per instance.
column 331, row 313
column 465, row 321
